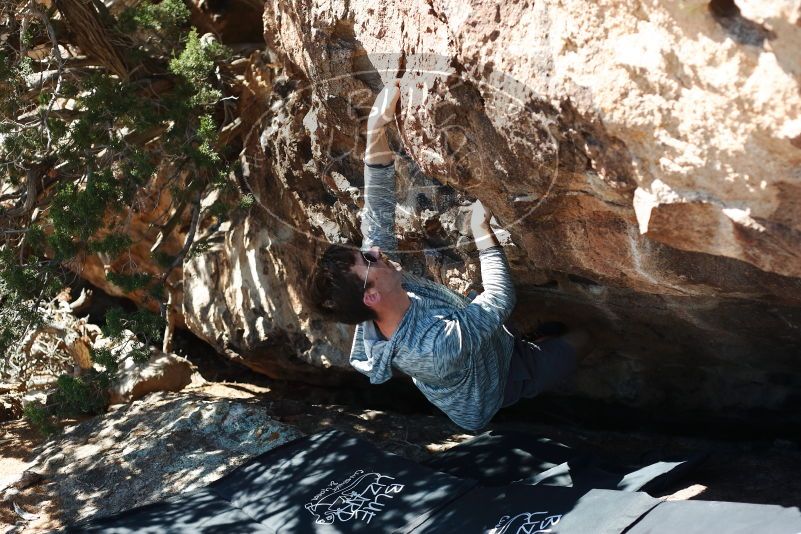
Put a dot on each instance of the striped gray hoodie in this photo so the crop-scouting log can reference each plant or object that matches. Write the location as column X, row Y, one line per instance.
column 456, row 351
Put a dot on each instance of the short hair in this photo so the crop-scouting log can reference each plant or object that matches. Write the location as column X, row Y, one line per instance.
column 334, row 291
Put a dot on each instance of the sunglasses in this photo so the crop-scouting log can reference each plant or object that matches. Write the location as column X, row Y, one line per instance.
column 370, row 259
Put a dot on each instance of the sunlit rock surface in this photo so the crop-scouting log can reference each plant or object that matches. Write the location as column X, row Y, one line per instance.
column 643, row 158
column 162, row 372
column 162, row 445
column 643, row 161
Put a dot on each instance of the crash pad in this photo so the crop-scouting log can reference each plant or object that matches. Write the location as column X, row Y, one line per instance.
column 334, row 482
column 499, row 458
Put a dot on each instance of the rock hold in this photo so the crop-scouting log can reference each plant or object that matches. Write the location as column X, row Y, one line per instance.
column 163, row 372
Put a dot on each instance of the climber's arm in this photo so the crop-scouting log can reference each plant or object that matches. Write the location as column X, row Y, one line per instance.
column 377, row 151
column 464, row 331
column 493, row 307
column 378, row 215
column 480, row 225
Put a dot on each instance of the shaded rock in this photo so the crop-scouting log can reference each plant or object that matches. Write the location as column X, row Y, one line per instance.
column 142, row 452
column 163, row 372
column 647, row 183
column 243, row 294
column 10, row 407
column 235, row 21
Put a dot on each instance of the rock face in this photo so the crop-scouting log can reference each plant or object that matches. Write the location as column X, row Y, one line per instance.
column 163, row 372
column 643, row 161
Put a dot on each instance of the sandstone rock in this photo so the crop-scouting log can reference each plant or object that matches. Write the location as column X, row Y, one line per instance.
column 163, row 372
column 155, row 206
column 663, row 100
column 156, row 447
column 643, row 159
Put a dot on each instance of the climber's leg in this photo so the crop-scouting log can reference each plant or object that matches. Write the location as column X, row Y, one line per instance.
column 579, row 339
column 543, row 366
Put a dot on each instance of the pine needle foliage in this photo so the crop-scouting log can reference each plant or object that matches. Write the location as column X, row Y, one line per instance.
column 85, row 135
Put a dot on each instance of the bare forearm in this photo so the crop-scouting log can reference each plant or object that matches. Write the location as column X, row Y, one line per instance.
column 377, row 151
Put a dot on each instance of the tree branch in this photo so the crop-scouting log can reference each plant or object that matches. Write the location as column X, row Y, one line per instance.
column 92, row 35
column 11, row 196
column 66, row 114
column 169, row 327
column 31, row 10
column 31, row 177
column 190, row 238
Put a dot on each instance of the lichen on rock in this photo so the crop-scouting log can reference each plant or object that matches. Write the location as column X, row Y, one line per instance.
column 153, row 448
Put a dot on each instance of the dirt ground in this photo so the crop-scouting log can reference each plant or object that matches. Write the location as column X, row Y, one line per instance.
column 17, row 443
column 744, row 471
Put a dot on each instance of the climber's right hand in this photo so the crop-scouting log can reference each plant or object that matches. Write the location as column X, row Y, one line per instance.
column 384, row 107
column 479, row 215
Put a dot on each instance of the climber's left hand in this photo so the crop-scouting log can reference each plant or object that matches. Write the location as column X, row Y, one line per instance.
column 384, row 107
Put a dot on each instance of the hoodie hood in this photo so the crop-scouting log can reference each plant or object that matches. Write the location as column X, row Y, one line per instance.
column 372, row 357
column 370, row 354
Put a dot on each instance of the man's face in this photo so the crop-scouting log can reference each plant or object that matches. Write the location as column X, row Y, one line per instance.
column 384, row 274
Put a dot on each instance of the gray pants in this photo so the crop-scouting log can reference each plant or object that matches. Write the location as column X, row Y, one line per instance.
column 537, row 367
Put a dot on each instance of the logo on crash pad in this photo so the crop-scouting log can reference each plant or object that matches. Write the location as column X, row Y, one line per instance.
column 526, row 523
column 359, row 497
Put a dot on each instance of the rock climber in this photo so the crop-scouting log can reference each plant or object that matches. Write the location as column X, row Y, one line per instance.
column 459, row 353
